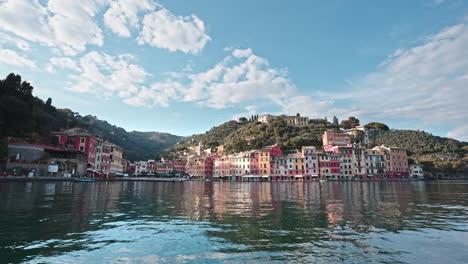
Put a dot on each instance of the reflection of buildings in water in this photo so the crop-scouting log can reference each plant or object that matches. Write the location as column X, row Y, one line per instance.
column 335, row 211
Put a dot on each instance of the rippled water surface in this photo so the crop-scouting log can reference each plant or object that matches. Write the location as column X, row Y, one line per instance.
column 205, row 222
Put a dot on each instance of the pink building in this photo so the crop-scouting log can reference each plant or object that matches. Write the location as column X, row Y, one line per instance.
column 346, row 159
column 254, row 165
column 179, row 166
column 329, row 164
column 311, row 165
column 335, row 138
column 80, row 140
column 395, row 160
column 201, row 167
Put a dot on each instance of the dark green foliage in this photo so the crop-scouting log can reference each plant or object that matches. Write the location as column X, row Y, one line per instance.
column 377, row 125
column 255, row 135
column 23, row 115
column 421, row 144
column 352, row 122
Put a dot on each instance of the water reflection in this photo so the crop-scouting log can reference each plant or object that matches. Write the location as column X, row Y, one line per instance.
column 139, row 222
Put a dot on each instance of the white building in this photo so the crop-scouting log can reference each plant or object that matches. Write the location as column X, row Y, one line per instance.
column 311, row 165
column 141, row 167
column 265, row 118
column 375, row 165
column 416, row 171
column 354, row 131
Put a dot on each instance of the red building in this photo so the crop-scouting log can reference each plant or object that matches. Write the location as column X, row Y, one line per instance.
column 329, row 165
column 201, row 167
column 179, row 166
column 80, row 140
column 254, row 165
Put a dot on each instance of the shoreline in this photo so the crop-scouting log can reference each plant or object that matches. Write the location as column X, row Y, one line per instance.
column 140, row 179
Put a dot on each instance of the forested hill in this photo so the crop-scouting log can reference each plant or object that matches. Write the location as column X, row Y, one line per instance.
column 23, row 115
column 421, row 144
column 250, row 134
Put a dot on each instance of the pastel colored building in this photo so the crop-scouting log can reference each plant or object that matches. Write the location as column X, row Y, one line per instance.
column 396, row 161
column 102, row 162
column 335, row 138
column 346, row 160
column 179, row 166
column 265, row 158
column 329, row 165
column 281, row 168
column 151, row 167
column 254, row 165
column 296, row 120
column 221, row 167
column 311, row 164
column 416, row 171
column 80, row 140
column 359, row 162
column 141, row 168
column 115, row 158
column 265, row 118
column 375, row 165
column 201, row 167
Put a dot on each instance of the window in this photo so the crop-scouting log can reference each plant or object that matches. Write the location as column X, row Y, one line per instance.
column 82, row 140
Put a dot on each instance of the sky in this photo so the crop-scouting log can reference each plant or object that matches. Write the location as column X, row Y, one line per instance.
column 185, row 66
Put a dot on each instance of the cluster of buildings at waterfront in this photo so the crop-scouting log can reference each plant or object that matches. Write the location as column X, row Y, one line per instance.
column 76, row 153
column 337, row 159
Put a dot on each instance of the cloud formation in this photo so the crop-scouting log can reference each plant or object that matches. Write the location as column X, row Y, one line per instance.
column 71, row 26
column 239, row 78
column 165, row 30
column 123, row 15
column 60, row 24
column 10, row 57
column 107, row 76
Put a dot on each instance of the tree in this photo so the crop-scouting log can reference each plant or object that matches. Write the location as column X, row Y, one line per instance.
column 377, row 125
column 243, row 120
column 352, row 122
column 358, row 137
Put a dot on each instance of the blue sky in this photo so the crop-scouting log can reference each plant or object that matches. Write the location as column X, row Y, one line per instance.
column 185, row 66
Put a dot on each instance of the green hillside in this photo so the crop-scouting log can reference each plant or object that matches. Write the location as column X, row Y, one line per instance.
column 24, row 116
column 242, row 136
column 422, row 144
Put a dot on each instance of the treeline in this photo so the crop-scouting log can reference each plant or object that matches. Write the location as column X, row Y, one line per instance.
column 25, row 116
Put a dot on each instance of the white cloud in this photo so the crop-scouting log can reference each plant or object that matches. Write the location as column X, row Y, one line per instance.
column 426, row 84
column 62, row 24
column 10, row 57
column 159, row 94
column 460, row 133
column 17, row 42
column 239, row 78
column 122, row 16
column 107, row 76
column 165, row 30
column 63, row 63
